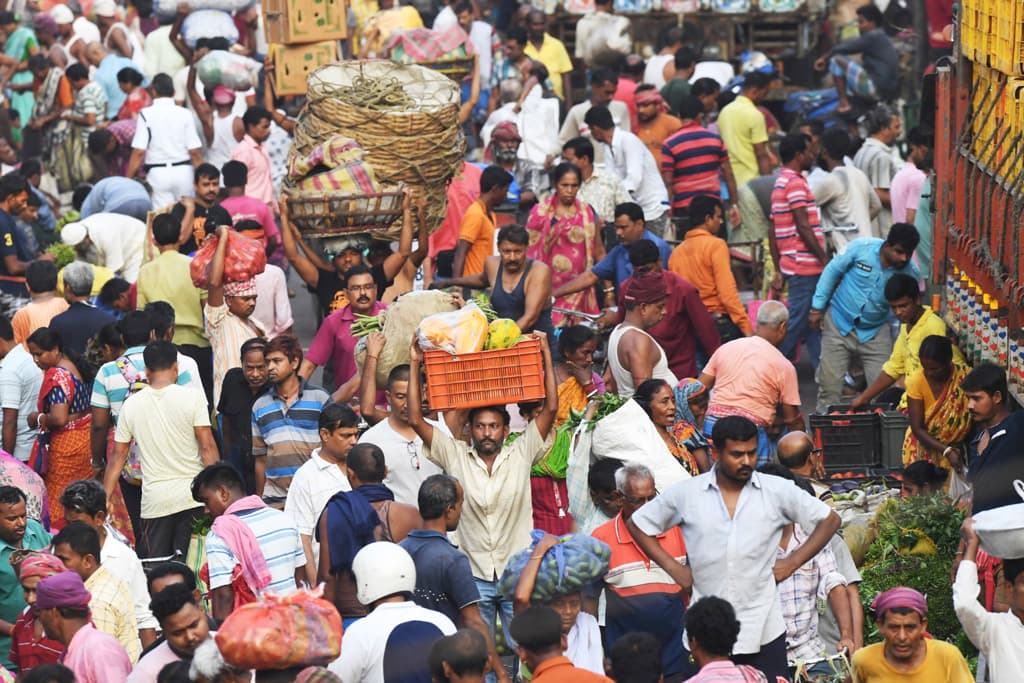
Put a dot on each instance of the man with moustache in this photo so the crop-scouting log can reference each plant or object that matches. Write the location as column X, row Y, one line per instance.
column 733, row 555
column 520, row 286
column 498, row 516
column 184, row 626
column 334, row 340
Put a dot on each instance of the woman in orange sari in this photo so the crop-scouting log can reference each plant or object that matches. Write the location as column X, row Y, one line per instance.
column 62, row 453
column 937, row 407
column 564, row 234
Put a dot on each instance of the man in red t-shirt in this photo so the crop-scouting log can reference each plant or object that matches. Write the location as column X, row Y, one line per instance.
column 797, row 244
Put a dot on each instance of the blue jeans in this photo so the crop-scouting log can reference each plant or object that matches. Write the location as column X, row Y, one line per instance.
column 801, row 293
column 490, row 602
column 765, row 449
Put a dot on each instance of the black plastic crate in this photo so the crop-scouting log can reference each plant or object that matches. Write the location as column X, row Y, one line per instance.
column 893, row 431
column 848, row 439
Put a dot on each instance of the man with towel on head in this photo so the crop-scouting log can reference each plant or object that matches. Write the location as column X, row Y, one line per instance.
column 633, row 354
column 62, row 603
column 906, row 655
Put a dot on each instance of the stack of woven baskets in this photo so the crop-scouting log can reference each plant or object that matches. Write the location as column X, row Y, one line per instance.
column 405, row 118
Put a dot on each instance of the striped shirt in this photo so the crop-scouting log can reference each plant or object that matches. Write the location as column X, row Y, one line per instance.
column 641, row 595
column 110, row 388
column 227, row 332
column 286, row 435
column 277, row 538
column 792, row 192
column 694, row 156
column 112, row 610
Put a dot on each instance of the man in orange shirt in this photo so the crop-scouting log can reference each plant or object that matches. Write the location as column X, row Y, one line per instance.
column 654, row 123
column 476, row 234
column 703, row 259
column 537, row 631
column 640, row 595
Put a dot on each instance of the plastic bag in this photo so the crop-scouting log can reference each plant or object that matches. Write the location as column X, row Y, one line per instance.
column 629, row 435
column 461, row 331
column 282, row 631
column 220, row 67
column 245, row 258
column 399, row 323
column 577, row 560
column 208, row 23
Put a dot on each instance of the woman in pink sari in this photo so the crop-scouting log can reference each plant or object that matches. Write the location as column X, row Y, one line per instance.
column 564, row 234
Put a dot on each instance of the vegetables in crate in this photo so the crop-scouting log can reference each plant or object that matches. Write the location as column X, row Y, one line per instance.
column 461, row 331
column 502, row 334
column 577, row 560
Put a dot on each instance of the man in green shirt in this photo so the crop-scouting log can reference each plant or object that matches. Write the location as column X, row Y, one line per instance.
column 17, row 532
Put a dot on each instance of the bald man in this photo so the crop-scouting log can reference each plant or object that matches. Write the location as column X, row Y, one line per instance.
column 797, row 453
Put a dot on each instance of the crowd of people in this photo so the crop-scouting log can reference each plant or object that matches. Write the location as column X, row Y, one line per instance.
column 173, row 453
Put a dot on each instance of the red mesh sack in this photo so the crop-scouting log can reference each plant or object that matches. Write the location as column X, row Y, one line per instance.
column 245, row 258
column 282, row 631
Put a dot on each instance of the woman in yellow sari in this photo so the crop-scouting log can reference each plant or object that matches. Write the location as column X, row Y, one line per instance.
column 937, row 407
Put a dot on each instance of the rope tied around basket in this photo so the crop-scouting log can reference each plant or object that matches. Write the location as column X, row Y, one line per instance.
column 369, row 93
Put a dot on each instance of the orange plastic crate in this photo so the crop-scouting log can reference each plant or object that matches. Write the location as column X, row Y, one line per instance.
column 485, row 378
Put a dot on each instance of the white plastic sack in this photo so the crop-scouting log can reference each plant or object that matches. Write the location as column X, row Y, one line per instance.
column 167, row 9
column 629, row 435
column 208, row 23
column 226, row 68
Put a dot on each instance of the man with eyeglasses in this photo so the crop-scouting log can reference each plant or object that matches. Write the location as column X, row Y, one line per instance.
column 334, row 340
column 797, row 453
column 641, row 596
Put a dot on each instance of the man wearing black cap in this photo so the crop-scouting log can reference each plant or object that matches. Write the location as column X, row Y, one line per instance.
column 633, row 354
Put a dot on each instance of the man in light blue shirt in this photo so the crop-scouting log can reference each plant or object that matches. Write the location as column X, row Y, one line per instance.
column 852, row 287
column 732, row 519
column 20, row 380
column 615, row 266
column 107, row 65
column 115, row 194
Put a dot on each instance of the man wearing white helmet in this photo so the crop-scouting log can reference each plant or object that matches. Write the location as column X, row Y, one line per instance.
column 394, row 641
column 109, row 239
column 76, row 32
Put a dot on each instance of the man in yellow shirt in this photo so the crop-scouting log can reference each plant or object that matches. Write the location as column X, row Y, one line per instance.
column 906, row 655
column 744, row 132
column 476, row 234
column 550, row 52
column 916, row 323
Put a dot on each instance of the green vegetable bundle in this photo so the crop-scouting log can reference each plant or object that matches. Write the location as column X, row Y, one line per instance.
column 607, row 403
column 576, row 561
column 365, row 324
column 915, row 544
column 556, row 462
column 62, row 254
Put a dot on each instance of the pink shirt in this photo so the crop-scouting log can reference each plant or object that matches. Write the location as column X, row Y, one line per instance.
column 751, row 378
column 462, row 192
column 905, row 191
column 792, row 192
column 150, row 665
column 260, row 184
column 96, row 657
column 334, row 340
column 246, row 208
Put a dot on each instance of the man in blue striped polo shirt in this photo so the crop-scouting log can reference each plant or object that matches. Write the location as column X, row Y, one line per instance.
column 284, row 420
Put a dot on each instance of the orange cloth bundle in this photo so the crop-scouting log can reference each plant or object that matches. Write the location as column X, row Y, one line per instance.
column 282, row 631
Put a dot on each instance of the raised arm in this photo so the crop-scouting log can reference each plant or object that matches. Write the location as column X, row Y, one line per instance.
column 216, row 287
column 527, row 580
column 422, row 428
column 546, row 418
column 176, row 39
column 199, row 104
column 368, row 380
column 294, row 250
column 394, row 262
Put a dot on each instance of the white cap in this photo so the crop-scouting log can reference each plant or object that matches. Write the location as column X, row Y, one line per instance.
column 73, row 233
column 62, row 15
column 105, row 8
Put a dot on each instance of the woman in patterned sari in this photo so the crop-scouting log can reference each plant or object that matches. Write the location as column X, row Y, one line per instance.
column 62, row 453
column 658, row 400
column 19, row 46
column 564, row 234
column 937, row 407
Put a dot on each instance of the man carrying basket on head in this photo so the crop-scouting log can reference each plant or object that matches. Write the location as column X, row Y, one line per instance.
column 497, row 518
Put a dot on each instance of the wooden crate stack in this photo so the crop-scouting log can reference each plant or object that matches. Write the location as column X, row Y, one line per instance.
column 303, row 36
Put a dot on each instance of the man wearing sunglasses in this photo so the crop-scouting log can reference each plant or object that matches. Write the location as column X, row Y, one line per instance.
column 641, row 596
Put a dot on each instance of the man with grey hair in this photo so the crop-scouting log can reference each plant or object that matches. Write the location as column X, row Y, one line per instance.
column 641, row 596
column 752, row 378
column 80, row 323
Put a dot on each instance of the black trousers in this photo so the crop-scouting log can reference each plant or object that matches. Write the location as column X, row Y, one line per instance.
column 164, row 536
column 203, row 356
